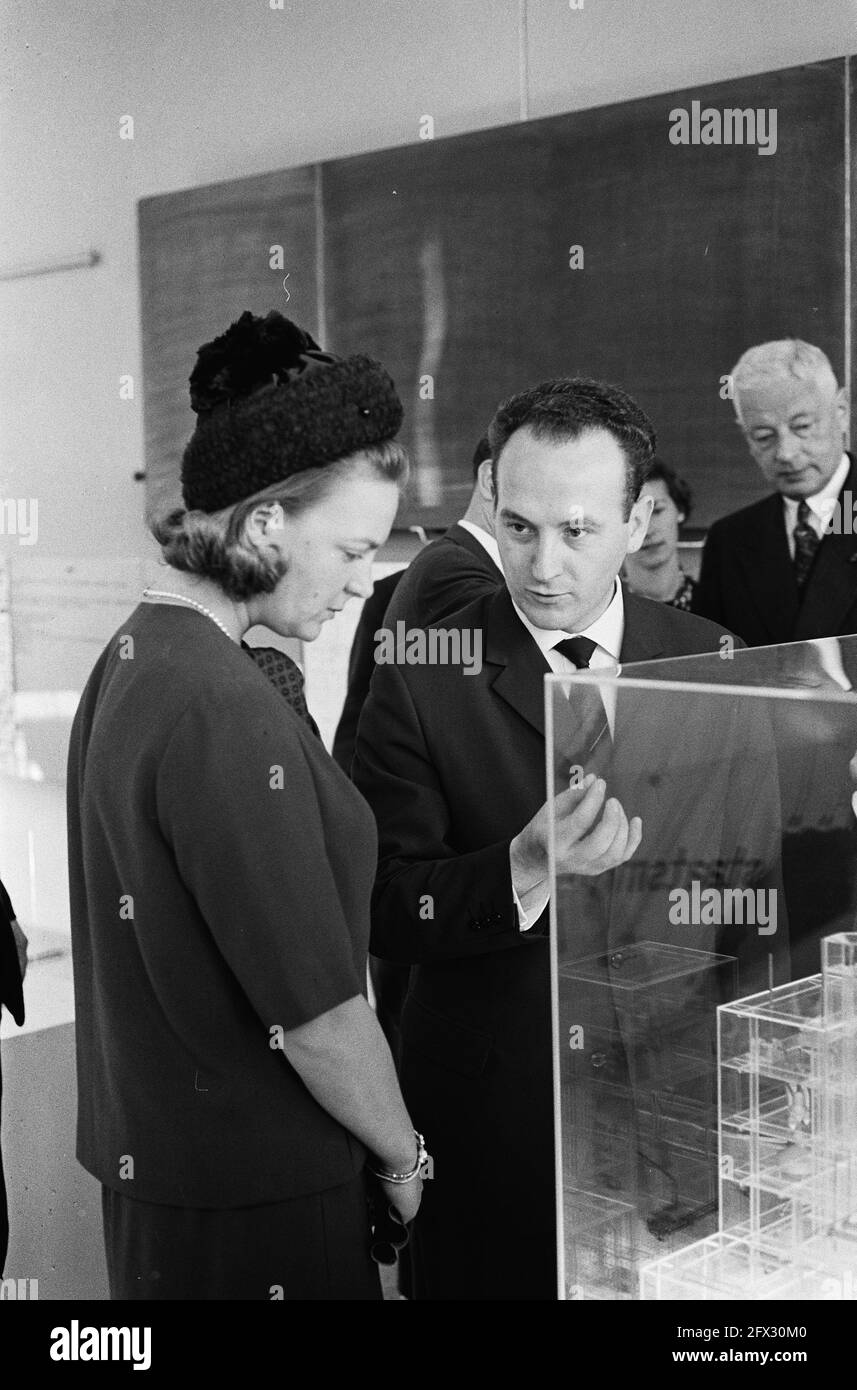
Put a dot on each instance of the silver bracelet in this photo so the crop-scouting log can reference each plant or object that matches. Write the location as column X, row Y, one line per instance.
column 398, row 1178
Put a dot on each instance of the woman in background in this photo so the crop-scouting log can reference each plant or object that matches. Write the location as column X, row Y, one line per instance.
column 232, row 1077
column 654, row 571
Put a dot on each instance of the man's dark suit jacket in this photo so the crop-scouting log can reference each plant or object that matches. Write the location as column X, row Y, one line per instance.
column 446, row 575
column 361, row 664
column 747, row 580
column 454, row 766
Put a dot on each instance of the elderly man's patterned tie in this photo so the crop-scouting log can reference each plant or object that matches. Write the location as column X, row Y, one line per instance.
column 807, row 542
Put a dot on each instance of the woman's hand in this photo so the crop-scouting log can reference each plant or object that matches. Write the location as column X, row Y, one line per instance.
column 343, row 1059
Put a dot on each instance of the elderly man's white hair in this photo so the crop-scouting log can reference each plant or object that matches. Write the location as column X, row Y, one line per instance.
column 785, row 357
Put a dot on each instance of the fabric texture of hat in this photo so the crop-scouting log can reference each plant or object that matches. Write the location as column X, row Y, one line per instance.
column 271, row 403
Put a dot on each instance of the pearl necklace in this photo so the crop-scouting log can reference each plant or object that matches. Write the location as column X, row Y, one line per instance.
column 165, row 593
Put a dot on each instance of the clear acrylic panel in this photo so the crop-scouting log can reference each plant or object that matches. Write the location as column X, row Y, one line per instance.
column 705, row 991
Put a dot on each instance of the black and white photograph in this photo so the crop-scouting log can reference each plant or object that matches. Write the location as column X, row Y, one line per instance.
column 428, row 669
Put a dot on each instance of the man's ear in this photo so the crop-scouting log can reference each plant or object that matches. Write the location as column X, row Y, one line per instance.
column 485, row 481
column 638, row 522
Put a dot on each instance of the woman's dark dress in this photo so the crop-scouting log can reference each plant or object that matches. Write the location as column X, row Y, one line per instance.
column 220, row 868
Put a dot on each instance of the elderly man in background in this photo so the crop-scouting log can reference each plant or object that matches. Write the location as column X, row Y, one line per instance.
column 784, row 568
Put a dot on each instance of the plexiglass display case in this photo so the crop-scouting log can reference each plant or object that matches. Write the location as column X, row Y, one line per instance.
column 684, row 1172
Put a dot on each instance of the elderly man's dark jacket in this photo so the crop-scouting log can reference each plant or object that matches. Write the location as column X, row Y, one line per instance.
column 747, row 577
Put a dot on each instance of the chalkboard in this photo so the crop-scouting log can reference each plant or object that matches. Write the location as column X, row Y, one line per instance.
column 206, row 256
column 451, row 261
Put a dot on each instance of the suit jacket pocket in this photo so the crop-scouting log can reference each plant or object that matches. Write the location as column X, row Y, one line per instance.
column 451, row 1044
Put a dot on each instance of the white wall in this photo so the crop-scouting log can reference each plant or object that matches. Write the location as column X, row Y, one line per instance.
column 224, row 88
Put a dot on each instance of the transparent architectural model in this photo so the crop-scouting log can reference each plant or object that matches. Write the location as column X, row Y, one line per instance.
column 788, row 1147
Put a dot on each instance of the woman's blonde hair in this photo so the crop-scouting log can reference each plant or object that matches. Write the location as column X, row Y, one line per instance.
column 215, row 544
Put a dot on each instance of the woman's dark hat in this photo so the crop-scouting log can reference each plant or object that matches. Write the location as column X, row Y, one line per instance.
column 270, row 403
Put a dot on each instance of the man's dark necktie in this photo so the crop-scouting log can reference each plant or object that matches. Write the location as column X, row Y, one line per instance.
column 807, row 542
column 586, row 700
column 286, row 676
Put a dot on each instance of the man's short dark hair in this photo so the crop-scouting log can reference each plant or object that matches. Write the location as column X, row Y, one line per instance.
column 674, row 483
column 480, row 454
column 563, row 409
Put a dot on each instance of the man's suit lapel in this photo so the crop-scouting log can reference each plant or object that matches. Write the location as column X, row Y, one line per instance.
column 766, row 574
column 643, row 639
column 637, row 745
column 832, row 585
column 522, row 668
